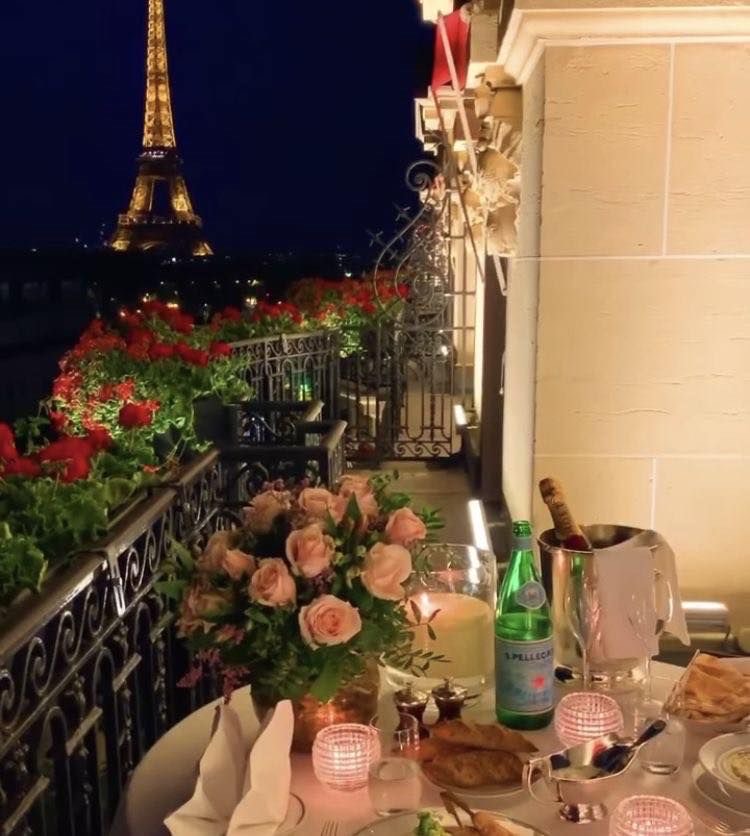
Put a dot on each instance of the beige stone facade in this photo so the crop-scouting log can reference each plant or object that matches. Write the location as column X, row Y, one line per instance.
column 628, row 335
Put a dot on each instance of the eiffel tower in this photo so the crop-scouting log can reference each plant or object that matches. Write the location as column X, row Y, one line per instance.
column 160, row 214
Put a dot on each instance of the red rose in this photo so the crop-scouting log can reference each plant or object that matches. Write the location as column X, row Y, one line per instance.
column 161, row 351
column 232, row 314
column 21, row 467
column 77, row 468
column 8, row 450
column 99, row 438
column 219, row 349
column 131, row 320
column 138, row 351
column 133, row 415
column 58, row 420
column 125, row 390
column 139, row 335
column 65, row 448
column 177, row 321
column 153, row 307
column 194, row 356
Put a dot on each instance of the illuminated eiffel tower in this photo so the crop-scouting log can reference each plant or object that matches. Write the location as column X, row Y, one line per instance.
column 160, row 215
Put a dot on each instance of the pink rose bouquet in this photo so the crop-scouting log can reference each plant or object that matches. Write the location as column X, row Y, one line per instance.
column 307, row 591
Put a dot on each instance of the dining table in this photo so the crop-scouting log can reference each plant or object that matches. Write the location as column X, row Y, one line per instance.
column 166, row 777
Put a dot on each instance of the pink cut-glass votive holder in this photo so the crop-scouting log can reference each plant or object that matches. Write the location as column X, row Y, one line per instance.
column 585, row 715
column 650, row 815
column 342, row 755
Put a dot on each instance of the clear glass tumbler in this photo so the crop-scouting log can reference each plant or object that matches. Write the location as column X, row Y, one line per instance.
column 664, row 754
column 405, row 739
column 395, row 786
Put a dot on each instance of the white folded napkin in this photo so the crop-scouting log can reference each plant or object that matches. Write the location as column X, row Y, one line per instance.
column 665, row 563
column 242, row 787
column 622, row 577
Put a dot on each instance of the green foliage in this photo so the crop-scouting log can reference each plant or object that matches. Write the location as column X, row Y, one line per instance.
column 22, row 564
column 268, row 641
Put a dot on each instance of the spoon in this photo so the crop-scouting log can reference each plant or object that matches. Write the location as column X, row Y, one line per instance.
column 616, row 757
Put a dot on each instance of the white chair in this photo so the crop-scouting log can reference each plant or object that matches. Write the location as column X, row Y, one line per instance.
column 165, row 778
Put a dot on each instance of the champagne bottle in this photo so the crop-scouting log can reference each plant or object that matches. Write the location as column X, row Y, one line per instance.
column 569, row 533
column 524, row 666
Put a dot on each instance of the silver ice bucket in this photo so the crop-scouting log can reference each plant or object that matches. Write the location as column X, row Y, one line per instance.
column 559, row 567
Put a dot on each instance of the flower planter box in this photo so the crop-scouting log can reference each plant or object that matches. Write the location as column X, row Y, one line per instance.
column 90, row 665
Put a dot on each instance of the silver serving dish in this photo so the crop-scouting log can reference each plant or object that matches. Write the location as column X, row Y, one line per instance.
column 577, row 778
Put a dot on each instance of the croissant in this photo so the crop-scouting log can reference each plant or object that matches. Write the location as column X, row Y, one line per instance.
column 474, row 769
column 478, row 736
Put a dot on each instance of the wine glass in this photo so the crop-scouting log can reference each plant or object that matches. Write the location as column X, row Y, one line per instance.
column 582, row 610
column 646, row 621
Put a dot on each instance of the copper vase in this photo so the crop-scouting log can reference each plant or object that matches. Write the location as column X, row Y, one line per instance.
column 354, row 702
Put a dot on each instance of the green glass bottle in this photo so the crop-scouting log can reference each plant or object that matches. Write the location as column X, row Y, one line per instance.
column 524, row 662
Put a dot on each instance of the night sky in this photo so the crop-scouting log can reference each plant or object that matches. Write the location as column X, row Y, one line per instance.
column 295, row 119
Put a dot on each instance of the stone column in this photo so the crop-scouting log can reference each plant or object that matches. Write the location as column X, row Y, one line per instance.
column 631, row 382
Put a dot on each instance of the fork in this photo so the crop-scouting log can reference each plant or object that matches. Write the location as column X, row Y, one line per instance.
column 330, row 828
column 716, row 825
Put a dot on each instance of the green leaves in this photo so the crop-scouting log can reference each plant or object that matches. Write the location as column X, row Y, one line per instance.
column 22, row 564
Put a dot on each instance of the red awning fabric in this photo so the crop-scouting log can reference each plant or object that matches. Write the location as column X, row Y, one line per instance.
column 457, row 29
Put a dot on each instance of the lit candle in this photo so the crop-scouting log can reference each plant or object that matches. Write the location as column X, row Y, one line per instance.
column 645, row 815
column 342, row 755
column 585, row 716
column 464, row 634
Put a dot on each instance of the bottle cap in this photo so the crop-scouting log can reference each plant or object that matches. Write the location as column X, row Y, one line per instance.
column 522, row 539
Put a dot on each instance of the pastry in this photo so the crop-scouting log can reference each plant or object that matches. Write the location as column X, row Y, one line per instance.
column 711, row 691
column 488, row 825
column 474, row 769
column 431, row 747
column 482, row 736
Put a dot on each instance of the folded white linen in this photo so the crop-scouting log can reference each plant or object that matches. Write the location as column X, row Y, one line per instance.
column 665, row 563
column 627, row 630
column 242, row 786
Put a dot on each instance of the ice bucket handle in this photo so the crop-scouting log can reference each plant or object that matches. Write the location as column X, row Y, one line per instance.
column 541, row 766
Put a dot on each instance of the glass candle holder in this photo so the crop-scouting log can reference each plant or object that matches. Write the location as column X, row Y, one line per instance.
column 342, row 755
column 457, row 594
column 586, row 715
column 650, row 815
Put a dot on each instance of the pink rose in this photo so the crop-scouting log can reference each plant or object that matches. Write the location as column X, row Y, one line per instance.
column 200, row 601
column 404, row 527
column 213, row 554
column 309, row 550
column 359, row 487
column 367, row 504
column 264, row 508
column 236, row 564
column 328, row 620
column 316, row 502
column 271, row 584
column 385, row 568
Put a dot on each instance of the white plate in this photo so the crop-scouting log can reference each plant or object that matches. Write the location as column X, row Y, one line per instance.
column 295, row 812
column 404, row 825
column 709, row 788
column 713, row 758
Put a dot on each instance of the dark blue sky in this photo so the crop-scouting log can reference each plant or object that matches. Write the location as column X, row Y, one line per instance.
column 295, row 119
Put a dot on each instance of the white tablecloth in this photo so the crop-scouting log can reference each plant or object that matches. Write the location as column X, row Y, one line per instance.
column 165, row 779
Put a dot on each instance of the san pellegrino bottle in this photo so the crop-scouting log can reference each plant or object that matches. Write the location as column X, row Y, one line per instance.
column 524, row 662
